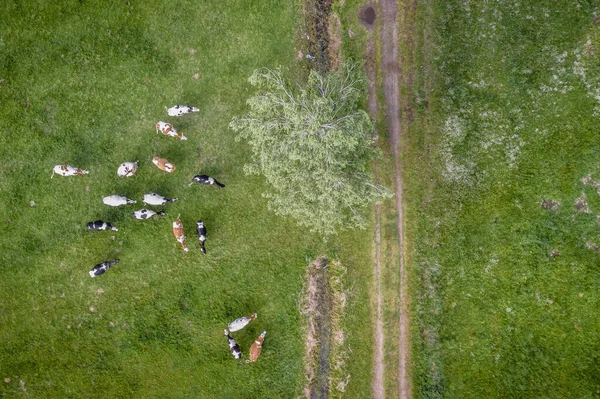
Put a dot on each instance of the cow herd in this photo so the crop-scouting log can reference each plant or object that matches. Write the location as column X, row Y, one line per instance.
column 128, row 169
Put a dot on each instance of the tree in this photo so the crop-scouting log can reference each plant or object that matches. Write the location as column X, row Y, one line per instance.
column 314, row 146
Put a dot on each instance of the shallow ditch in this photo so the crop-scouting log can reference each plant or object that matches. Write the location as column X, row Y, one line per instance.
column 323, row 327
column 317, row 17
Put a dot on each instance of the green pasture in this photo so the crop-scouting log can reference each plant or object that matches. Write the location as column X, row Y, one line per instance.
column 507, row 116
column 84, row 82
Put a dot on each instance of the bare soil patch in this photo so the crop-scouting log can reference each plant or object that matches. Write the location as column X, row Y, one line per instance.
column 335, row 41
column 582, row 205
column 550, row 205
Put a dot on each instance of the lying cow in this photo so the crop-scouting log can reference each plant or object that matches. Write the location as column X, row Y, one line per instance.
column 127, row 169
column 242, row 322
column 144, row 214
column 155, row 199
column 234, row 348
column 117, row 200
column 256, row 347
column 102, row 267
column 180, row 234
column 99, row 225
column 179, row 110
column 67, row 170
column 163, row 164
column 205, row 179
column 168, row 130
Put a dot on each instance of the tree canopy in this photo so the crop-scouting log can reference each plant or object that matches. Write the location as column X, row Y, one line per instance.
column 314, row 146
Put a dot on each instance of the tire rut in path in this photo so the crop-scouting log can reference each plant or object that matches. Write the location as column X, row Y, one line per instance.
column 377, row 386
column 391, row 92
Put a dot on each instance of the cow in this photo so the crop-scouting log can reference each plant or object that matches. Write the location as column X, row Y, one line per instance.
column 204, row 179
column 180, row 234
column 242, row 322
column 168, row 130
column 144, row 214
column 155, row 199
column 256, row 348
column 117, row 200
column 163, row 164
column 127, row 169
column 99, row 225
column 201, row 230
column 179, row 110
column 234, row 348
column 102, row 267
column 67, row 170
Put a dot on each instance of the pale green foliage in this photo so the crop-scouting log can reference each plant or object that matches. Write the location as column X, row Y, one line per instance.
column 314, row 146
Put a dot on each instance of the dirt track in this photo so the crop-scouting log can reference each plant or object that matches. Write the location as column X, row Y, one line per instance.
column 391, row 78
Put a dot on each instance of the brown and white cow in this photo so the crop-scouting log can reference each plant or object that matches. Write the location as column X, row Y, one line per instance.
column 180, row 234
column 163, row 164
column 256, row 347
column 127, row 169
column 168, row 130
column 67, row 170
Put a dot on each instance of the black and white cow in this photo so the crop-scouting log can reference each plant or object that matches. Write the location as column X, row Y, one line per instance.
column 234, row 348
column 201, row 230
column 117, row 200
column 155, row 199
column 99, row 225
column 179, row 110
column 204, row 179
column 102, row 267
column 143, row 214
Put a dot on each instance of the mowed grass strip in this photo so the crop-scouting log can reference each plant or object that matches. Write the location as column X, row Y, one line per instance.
column 507, row 118
column 84, row 83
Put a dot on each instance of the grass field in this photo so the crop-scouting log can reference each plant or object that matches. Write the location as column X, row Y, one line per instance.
column 508, row 112
column 84, row 83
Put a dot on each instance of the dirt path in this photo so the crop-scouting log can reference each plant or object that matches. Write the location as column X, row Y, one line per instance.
column 378, row 370
column 391, row 78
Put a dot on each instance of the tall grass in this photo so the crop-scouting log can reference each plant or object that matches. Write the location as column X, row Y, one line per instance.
column 507, row 118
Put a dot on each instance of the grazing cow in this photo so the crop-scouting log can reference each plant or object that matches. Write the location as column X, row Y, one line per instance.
column 155, row 199
column 102, row 267
column 67, row 170
column 179, row 110
column 117, row 200
column 127, row 169
column 204, row 179
column 179, row 234
column 168, row 130
column 201, row 230
column 163, row 164
column 144, row 214
column 240, row 323
column 256, row 347
column 99, row 225
column 234, row 348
